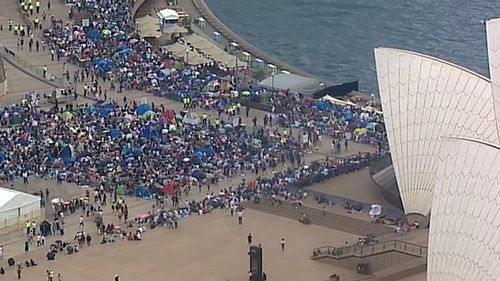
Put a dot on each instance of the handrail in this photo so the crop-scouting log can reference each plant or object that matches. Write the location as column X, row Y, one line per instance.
column 28, row 68
column 368, row 250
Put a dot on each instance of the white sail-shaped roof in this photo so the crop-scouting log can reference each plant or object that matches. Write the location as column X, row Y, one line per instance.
column 423, row 100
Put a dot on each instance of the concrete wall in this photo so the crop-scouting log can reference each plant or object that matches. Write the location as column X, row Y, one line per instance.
column 3, row 77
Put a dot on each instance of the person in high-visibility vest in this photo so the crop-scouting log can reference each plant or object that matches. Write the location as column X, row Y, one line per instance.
column 37, row 6
column 16, row 30
column 32, row 8
column 35, row 22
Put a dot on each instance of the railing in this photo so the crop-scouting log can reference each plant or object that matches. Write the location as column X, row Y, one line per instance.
column 370, row 250
column 33, row 70
column 13, row 226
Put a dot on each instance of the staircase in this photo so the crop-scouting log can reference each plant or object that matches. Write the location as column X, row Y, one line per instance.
column 364, row 251
column 385, row 261
column 329, row 220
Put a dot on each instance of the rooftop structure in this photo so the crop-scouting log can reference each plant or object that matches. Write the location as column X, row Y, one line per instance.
column 443, row 129
column 425, row 99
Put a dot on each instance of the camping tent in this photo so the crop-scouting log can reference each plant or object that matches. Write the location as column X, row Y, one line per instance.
column 143, row 108
column 67, row 152
column 142, row 193
column 120, row 190
column 191, row 118
column 18, row 207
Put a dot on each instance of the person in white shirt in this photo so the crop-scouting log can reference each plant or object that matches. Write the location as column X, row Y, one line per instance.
column 82, row 225
column 240, row 217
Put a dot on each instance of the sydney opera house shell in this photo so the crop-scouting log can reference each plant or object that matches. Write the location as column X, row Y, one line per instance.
column 442, row 124
column 425, row 99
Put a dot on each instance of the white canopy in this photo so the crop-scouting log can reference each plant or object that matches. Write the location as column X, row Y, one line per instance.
column 292, row 82
column 15, row 206
column 337, row 101
column 168, row 14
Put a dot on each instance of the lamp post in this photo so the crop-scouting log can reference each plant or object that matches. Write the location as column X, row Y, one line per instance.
column 235, row 74
column 187, row 56
column 272, row 79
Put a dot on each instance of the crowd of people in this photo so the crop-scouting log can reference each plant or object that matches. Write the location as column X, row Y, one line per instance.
column 125, row 148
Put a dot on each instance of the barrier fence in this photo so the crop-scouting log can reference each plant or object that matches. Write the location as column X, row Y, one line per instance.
column 14, row 227
column 369, row 250
column 33, row 70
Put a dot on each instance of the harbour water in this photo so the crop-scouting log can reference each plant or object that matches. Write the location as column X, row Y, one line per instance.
column 334, row 39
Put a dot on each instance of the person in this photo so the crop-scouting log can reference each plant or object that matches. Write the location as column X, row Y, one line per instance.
column 117, row 277
column 19, row 270
column 282, row 242
column 82, row 225
column 1, row 252
column 249, row 238
column 89, row 239
column 59, row 277
column 26, row 246
column 240, row 217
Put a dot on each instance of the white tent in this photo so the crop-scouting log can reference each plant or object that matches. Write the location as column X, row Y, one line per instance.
column 168, row 15
column 192, row 118
column 17, row 207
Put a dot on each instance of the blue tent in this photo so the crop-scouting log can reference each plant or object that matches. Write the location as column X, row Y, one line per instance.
column 143, row 108
column 67, row 153
column 109, row 105
column 2, row 157
column 94, row 35
column 323, row 105
column 198, row 174
column 115, row 133
column 348, row 116
column 143, row 193
column 105, row 111
column 146, row 132
column 90, row 109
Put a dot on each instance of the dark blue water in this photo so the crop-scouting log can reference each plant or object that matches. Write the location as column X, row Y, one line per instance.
column 334, row 39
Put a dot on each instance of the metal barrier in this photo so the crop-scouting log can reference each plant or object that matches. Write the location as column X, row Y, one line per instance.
column 370, row 250
column 32, row 70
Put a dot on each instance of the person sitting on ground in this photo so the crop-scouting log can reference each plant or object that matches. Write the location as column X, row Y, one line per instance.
column 138, row 236
column 2, row 271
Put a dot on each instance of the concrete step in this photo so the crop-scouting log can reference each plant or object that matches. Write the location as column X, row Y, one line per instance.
column 329, row 220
